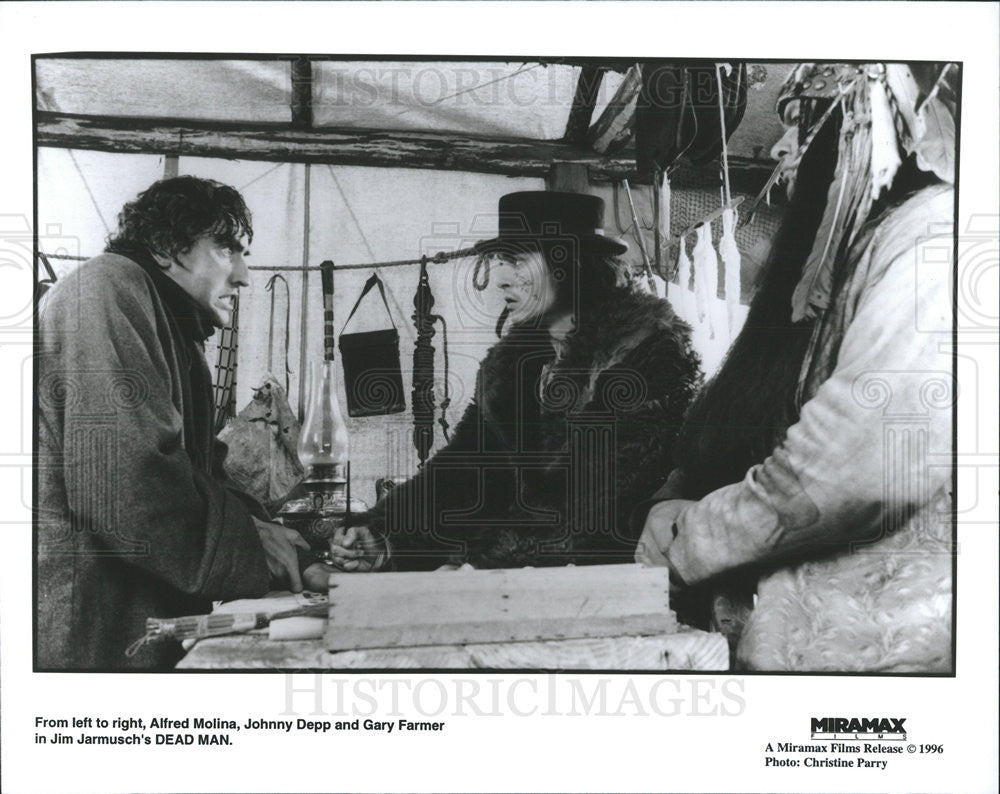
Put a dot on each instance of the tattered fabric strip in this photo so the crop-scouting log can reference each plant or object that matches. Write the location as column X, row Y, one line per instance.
column 847, row 204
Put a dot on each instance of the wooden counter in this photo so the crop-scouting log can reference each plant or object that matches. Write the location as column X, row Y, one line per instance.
column 613, row 617
column 685, row 649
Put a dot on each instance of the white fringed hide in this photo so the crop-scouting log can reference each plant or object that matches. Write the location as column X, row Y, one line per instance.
column 706, row 276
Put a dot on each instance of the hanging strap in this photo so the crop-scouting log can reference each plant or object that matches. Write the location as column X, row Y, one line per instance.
column 270, row 333
column 374, row 281
column 726, row 197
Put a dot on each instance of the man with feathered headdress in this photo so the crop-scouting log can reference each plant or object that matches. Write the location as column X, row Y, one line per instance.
column 815, row 469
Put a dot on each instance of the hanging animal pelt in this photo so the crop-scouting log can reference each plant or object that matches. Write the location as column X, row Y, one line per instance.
column 706, row 276
column 731, row 260
column 684, row 279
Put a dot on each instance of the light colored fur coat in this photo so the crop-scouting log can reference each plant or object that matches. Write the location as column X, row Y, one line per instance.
column 849, row 522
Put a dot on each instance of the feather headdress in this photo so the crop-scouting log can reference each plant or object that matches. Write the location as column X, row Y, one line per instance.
column 884, row 114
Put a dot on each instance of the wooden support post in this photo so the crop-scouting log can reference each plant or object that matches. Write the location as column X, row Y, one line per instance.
column 302, row 82
column 570, row 177
column 170, row 166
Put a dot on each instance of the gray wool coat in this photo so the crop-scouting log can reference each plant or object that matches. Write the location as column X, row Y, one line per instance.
column 135, row 518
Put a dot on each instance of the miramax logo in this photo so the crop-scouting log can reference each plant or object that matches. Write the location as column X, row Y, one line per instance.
column 858, row 728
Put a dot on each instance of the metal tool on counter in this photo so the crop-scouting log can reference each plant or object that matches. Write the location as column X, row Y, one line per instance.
column 194, row 627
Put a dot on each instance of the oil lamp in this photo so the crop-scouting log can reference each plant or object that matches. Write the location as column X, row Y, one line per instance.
column 322, row 501
column 324, row 449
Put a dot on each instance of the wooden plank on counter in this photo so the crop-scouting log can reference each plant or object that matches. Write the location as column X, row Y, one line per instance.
column 393, row 610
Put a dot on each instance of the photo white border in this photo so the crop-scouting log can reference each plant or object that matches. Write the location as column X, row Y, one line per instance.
column 538, row 752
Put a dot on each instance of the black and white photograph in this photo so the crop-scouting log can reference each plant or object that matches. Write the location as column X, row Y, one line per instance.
column 408, row 386
column 681, row 342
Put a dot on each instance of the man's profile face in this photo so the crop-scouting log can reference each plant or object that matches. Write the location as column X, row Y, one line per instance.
column 786, row 150
column 528, row 287
column 212, row 271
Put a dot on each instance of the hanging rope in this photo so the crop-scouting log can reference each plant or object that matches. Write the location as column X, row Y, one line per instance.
column 727, row 197
column 364, row 239
column 43, row 284
column 83, row 178
column 657, row 219
column 705, row 219
column 728, row 249
column 437, row 259
column 481, row 273
column 446, row 397
column 259, row 177
column 350, row 211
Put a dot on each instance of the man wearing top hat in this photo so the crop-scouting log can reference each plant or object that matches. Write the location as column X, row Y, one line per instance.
column 573, row 418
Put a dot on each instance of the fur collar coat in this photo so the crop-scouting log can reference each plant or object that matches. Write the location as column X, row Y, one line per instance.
column 554, row 451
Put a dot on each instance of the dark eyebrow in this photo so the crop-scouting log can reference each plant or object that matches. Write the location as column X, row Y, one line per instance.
column 231, row 242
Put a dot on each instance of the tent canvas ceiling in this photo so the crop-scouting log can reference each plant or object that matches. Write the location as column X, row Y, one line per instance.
column 495, row 98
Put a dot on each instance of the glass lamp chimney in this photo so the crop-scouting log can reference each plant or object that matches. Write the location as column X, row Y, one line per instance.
column 323, row 447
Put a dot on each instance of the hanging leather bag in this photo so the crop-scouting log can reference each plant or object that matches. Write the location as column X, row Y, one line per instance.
column 373, row 381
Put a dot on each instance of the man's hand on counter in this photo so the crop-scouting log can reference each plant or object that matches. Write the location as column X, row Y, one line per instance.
column 282, row 559
column 316, row 577
column 358, row 549
column 657, row 535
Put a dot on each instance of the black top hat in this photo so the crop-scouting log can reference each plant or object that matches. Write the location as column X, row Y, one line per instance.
column 541, row 216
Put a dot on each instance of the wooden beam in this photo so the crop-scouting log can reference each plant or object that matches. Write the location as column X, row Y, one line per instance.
column 578, row 122
column 379, row 148
column 374, row 148
column 613, row 128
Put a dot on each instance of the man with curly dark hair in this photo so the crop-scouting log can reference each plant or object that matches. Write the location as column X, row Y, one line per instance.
column 136, row 517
